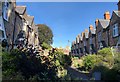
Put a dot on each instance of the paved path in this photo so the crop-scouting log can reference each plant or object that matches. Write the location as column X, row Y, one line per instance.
column 74, row 73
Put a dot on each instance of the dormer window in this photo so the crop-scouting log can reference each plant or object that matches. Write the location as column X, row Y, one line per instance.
column 5, row 10
column 115, row 30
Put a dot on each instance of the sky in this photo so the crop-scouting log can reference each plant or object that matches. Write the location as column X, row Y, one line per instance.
column 67, row 19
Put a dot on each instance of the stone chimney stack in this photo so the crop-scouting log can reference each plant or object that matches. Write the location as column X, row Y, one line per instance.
column 96, row 22
column 91, row 27
column 86, row 30
column 118, row 5
column 82, row 34
column 107, row 15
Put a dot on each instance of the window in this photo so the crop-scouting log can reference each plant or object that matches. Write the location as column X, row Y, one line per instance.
column 81, row 50
column 1, row 34
column 77, row 51
column 90, row 40
column 0, row 22
column 84, row 43
column 91, row 47
column 100, row 45
column 99, row 36
column 115, row 30
column 5, row 10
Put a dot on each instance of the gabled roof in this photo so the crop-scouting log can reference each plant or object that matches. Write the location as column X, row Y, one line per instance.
column 82, row 35
column 115, row 17
column 93, row 31
column 30, row 20
column 20, row 9
column 86, row 33
column 117, row 13
column 77, row 39
column 104, row 23
column 72, row 43
column 35, row 28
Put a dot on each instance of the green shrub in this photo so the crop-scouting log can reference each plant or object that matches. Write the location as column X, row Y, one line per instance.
column 25, row 66
column 104, row 52
column 110, row 65
column 107, row 55
column 89, row 61
column 65, row 60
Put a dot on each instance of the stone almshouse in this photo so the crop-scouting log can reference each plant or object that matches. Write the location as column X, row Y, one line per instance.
column 105, row 34
column 17, row 28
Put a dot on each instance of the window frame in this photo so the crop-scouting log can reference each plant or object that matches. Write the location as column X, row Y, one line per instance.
column 5, row 9
column 115, row 32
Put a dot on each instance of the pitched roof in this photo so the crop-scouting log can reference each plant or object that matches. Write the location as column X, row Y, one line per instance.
column 117, row 13
column 35, row 27
column 104, row 23
column 93, row 31
column 72, row 43
column 78, row 38
column 20, row 9
column 86, row 33
column 82, row 35
column 29, row 19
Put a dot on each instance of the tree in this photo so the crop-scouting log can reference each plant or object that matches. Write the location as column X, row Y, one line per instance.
column 45, row 34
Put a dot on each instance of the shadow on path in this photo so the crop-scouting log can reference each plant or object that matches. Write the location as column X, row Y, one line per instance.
column 74, row 73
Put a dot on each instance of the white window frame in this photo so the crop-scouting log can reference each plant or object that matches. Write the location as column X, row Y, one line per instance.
column 115, row 30
column 100, row 45
column 5, row 10
column 1, row 23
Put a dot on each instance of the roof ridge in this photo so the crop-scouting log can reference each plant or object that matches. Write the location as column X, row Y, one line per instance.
column 20, row 6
